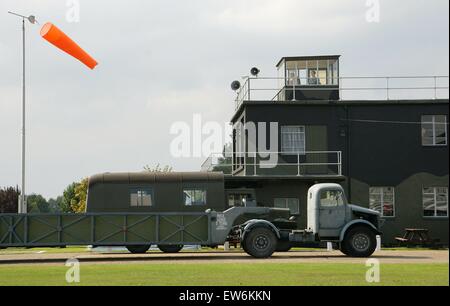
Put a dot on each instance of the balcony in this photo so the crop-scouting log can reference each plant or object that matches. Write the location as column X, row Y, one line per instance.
column 299, row 88
column 304, row 164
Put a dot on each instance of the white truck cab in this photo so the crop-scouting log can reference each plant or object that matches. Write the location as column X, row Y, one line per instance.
column 330, row 219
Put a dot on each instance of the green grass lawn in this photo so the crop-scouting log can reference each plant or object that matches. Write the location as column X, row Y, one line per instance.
column 80, row 249
column 227, row 274
column 83, row 249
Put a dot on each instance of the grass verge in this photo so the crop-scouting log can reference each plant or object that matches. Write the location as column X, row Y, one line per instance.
column 266, row 274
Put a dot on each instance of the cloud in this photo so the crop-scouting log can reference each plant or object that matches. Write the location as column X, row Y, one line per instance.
column 161, row 61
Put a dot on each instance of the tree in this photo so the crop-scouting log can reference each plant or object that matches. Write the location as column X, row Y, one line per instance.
column 68, row 196
column 9, row 199
column 158, row 169
column 55, row 205
column 74, row 197
column 78, row 204
column 37, row 204
column 224, row 164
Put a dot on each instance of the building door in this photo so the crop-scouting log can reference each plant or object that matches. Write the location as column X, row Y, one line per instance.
column 332, row 213
column 316, row 145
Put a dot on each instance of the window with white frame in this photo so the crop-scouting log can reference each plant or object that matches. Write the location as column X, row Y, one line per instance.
column 140, row 197
column 293, row 139
column 292, row 204
column 382, row 199
column 434, row 130
column 194, row 197
column 435, row 201
column 331, row 199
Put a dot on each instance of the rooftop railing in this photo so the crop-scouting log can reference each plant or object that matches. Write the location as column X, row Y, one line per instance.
column 350, row 88
column 302, row 164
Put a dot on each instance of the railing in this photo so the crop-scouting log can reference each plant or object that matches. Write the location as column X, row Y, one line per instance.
column 350, row 88
column 314, row 163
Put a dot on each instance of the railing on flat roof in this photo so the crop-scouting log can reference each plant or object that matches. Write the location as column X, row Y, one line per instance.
column 302, row 164
column 350, row 88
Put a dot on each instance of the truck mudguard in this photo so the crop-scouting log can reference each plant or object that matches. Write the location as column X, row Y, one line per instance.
column 249, row 225
column 359, row 221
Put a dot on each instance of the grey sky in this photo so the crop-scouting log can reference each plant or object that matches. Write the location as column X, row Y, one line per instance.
column 162, row 61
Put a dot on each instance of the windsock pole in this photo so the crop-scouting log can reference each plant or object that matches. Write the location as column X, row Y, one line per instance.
column 22, row 205
column 22, row 202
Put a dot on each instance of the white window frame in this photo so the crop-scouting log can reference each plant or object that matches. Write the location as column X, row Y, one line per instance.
column 286, row 202
column 304, row 139
column 195, row 190
column 381, row 194
column 140, row 193
column 435, row 193
column 434, row 124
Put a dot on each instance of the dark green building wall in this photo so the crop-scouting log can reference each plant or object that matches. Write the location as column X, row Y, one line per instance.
column 381, row 147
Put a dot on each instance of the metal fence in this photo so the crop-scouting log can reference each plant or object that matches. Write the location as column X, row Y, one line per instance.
column 313, row 163
column 109, row 229
column 350, row 88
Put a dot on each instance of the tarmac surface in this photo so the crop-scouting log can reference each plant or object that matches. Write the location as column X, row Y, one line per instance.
column 387, row 257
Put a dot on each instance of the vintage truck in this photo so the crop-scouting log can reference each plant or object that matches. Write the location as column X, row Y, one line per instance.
column 172, row 210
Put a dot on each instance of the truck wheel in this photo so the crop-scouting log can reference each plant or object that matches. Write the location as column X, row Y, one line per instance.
column 360, row 241
column 343, row 249
column 260, row 242
column 138, row 249
column 170, row 248
column 283, row 246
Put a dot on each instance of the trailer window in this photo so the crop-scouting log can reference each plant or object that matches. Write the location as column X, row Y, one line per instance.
column 331, row 198
column 194, row 197
column 141, row 197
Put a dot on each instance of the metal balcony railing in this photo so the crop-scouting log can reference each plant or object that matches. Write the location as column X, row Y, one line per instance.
column 350, row 88
column 314, row 163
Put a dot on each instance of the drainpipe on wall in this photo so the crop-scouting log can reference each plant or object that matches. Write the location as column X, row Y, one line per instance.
column 349, row 177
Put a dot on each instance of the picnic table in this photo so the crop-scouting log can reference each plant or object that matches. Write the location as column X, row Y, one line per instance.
column 417, row 237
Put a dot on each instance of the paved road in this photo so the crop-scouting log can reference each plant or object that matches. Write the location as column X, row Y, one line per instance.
column 408, row 256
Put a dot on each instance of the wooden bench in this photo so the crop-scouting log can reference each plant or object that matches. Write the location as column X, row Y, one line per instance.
column 417, row 237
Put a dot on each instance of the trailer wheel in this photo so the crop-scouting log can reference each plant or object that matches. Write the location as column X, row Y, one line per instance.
column 260, row 242
column 283, row 246
column 138, row 249
column 170, row 248
column 360, row 241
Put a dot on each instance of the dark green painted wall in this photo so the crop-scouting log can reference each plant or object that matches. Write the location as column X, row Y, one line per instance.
column 381, row 145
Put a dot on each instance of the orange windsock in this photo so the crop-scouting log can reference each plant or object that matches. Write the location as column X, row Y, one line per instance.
column 57, row 38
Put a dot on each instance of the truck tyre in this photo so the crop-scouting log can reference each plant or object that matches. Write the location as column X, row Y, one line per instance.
column 138, row 249
column 360, row 241
column 283, row 246
column 170, row 248
column 260, row 242
column 343, row 249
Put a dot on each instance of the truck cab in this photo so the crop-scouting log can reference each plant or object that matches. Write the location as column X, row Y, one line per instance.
column 330, row 215
column 330, row 219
